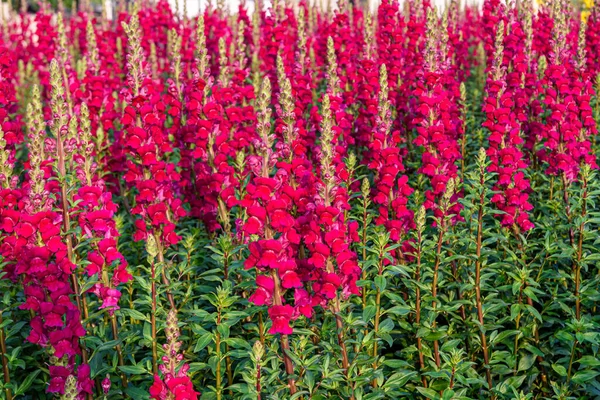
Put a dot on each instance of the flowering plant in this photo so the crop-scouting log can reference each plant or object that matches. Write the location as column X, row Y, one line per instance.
column 299, row 201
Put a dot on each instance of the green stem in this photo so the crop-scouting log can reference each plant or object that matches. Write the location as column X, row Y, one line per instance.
column 434, row 287
column 4, row 360
column 571, row 360
column 153, row 321
column 218, row 372
column 115, row 332
column 577, row 266
column 478, row 291
column 418, row 305
column 378, row 310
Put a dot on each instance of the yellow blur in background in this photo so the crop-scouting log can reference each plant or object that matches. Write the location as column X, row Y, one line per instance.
column 585, row 6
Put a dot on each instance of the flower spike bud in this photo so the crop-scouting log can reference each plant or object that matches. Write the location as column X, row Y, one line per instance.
column 559, row 32
column 175, row 52
column 63, row 44
column 6, row 163
column 286, row 101
column 37, row 130
column 370, row 36
column 280, row 69
column 201, row 50
column 542, row 65
column 430, row 56
column 135, row 55
column 87, row 143
column 223, row 62
column 365, row 189
column 332, row 76
column 70, row 391
column 153, row 60
column 302, row 39
column 151, row 248
column 497, row 66
column 528, row 26
column 443, row 34
column 327, row 170
column 57, row 101
column 240, row 48
column 92, row 48
column 450, row 189
column 384, row 102
column 240, row 161
column 420, row 219
column 264, row 114
column 351, row 162
column 481, row 157
column 581, row 52
column 258, row 351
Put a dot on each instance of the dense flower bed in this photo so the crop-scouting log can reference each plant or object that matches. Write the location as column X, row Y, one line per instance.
column 300, row 203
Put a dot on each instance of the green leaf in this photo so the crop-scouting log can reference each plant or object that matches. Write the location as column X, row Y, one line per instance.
column 399, row 379
column 133, row 370
column 27, row 382
column 135, row 314
column 380, row 282
column 369, row 313
column 203, row 341
column 137, row 393
column 587, row 376
column 399, row 310
column 559, row 369
column 526, row 362
column 589, row 361
column 428, row 393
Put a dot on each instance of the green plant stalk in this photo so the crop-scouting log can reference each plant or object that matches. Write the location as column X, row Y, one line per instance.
column 463, row 145
column 218, row 377
column 571, row 360
column 478, row 290
column 81, row 305
column 225, row 265
column 568, row 208
column 218, row 372
column 517, row 321
column 577, row 266
column 228, row 369
column 130, row 289
column 434, row 284
column 377, row 309
column 285, row 344
column 364, row 255
column 165, row 279
column 418, row 305
column 258, row 388
column 5, row 370
column 452, row 376
column 261, row 328
column 115, row 332
column 536, row 333
column 339, row 323
column 460, row 297
column 153, row 320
